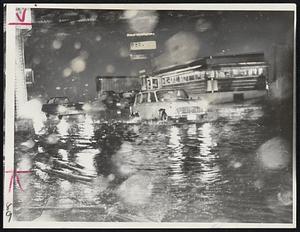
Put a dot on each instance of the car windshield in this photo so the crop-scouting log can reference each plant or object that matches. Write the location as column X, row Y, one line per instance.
column 61, row 100
column 171, row 95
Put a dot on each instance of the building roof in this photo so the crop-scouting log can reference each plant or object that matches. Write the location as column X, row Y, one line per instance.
column 211, row 61
column 116, row 77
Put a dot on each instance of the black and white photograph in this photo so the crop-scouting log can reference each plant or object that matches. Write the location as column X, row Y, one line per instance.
column 149, row 115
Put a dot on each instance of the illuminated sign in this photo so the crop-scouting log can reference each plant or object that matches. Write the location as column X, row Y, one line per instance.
column 140, row 34
column 138, row 57
column 143, row 45
column 182, row 77
column 29, row 76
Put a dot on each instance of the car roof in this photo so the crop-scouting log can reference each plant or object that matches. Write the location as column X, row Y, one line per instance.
column 58, row 97
column 154, row 90
column 108, row 91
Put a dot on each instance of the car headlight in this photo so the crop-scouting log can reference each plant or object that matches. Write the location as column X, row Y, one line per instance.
column 118, row 104
column 87, row 107
column 61, row 109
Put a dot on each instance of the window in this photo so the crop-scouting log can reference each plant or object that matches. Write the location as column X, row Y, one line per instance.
column 51, row 101
column 138, row 98
column 244, row 72
column 260, row 71
column 228, row 73
column 155, row 83
column 172, row 79
column 152, row 97
column 148, row 84
column 192, row 77
column 171, row 95
column 177, row 79
column 210, row 74
column 163, row 81
column 254, row 71
column 202, row 75
column 168, row 80
column 145, row 98
column 235, row 72
column 61, row 100
column 221, row 74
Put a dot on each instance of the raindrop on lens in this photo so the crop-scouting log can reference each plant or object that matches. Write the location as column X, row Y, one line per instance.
column 77, row 45
column 56, row 44
column 98, row 38
column 67, row 72
column 110, row 69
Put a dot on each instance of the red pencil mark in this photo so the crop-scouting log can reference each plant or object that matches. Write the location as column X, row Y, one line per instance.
column 14, row 176
column 19, row 23
column 22, row 18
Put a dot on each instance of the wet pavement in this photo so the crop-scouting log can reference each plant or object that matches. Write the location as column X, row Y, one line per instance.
column 235, row 168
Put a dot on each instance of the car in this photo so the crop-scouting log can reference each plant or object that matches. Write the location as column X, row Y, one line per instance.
column 164, row 104
column 111, row 99
column 127, row 98
column 61, row 106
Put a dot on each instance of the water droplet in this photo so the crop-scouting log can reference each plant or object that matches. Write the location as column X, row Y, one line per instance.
column 77, row 45
column 57, row 44
column 98, row 38
column 274, row 154
column 78, row 64
column 67, row 72
column 110, row 68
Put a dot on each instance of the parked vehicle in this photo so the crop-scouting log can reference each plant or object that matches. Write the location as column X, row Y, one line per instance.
column 111, row 99
column 127, row 98
column 61, row 106
column 168, row 104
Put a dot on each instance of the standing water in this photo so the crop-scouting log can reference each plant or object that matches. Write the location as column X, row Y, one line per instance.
column 234, row 169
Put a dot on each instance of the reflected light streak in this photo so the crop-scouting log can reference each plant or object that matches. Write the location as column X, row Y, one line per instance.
column 238, row 113
column 38, row 123
column 205, row 139
column 86, row 159
column 192, row 130
column 177, row 157
column 88, row 128
column 210, row 172
column 63, row 153
column 63, row 127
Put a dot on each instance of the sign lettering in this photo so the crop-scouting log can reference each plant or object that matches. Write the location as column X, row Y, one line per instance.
column 143, row 45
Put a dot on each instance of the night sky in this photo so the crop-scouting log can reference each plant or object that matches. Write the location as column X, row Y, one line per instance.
column 73, row 54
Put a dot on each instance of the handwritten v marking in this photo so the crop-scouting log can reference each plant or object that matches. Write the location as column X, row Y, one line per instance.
column 22, row 18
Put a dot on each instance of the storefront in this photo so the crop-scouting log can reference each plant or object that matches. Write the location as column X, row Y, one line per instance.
column 241, row 72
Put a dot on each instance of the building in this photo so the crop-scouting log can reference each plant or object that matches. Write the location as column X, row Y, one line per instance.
column 117, row 83
column 219, row 79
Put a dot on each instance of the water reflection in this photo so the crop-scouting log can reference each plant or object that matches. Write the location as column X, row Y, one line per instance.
column 205, row 139
column 176, row 156
column 90, row 171
column 85, row 158
column 87, row 130
column 63, row 127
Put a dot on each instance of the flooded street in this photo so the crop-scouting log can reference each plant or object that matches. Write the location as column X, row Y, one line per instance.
column 215, row 171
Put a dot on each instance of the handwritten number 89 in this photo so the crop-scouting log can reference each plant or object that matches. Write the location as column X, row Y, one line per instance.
column 8, row 212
